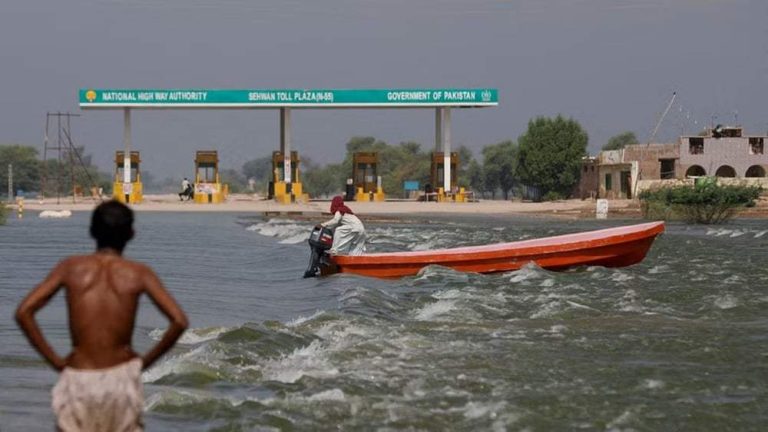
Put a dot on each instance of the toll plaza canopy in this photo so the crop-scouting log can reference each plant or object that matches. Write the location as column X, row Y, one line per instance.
column 286, row 98
column 441, row 99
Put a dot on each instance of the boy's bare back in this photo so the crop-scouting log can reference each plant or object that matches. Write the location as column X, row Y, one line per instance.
column 103, row 291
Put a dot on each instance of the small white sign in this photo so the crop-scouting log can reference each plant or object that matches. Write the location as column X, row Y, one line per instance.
column 601, row 211
column 287, row 165
column 204, row 188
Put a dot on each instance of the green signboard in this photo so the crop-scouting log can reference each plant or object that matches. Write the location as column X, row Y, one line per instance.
column 277, row 98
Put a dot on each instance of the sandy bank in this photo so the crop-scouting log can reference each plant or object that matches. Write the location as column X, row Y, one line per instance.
column 242, row 203
column 251, row 204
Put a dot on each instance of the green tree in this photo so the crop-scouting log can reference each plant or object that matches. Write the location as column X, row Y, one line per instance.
column 258, row 169
column 491, row 182
column 465, row 159
column 475, row 177
column 550, row 154
column 235, row 180
column 324, row 181
column 26, row 168
column 364, row 144
column 500, row 164
column 618, row 142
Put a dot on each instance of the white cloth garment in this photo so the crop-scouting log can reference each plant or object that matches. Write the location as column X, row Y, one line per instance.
column 109, row 400
column 349, row 237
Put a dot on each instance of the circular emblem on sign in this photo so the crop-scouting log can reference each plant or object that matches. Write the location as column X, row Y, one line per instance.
column 90, row 95
column 486, row 95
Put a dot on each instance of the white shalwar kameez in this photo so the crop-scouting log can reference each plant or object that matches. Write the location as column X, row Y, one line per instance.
column 349, row 237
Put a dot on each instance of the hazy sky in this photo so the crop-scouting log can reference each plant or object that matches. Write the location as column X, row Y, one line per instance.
column 610, row 64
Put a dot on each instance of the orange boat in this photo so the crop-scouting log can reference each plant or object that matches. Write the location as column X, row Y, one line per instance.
column 612, row 247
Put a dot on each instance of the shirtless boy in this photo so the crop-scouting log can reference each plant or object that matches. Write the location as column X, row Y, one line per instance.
column 99, row 387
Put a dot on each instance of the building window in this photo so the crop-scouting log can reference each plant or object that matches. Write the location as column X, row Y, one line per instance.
column 696, row 145
column 585, row 168
column 666, row 168
column 725, row 171
column 755, row 171
column 608, row 181
column 755, row 146
column 695, row 171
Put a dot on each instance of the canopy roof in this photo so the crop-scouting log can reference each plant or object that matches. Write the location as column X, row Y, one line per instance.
column 287, row 98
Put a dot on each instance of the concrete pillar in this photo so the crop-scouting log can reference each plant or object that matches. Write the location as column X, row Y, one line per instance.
column 285, row 142
column 10, row 182
column 127, row 145
column 438, row 130
column 446, row 135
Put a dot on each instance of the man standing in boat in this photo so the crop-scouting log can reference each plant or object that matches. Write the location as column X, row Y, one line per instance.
column 100, row 388
column 349, row 237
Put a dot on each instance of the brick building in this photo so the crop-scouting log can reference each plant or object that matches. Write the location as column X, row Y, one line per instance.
column 722, row 152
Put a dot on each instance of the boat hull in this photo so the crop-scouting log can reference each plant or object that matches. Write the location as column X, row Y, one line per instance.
column 613, row 247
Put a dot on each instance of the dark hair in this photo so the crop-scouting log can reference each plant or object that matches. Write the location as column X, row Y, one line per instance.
column 112, row 225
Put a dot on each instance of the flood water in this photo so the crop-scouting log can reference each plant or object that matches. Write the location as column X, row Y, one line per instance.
column 677, row 342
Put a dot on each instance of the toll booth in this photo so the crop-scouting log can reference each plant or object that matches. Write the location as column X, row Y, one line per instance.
column 365, row 174
column 436, row 176
column 280, row 190
column 208, row 186
column 131, row 192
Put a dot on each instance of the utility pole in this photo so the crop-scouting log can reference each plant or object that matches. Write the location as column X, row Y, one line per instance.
column 44, row 165
column 10, row 182
column 71, row 162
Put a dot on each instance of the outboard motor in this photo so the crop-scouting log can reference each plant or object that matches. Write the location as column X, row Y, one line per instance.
column 320, row 241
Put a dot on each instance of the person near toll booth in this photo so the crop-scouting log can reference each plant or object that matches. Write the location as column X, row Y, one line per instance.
column 349, row 236
column 186, row 190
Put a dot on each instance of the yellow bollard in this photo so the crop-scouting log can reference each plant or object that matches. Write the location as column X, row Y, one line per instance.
column 461, row 196
column 361, row 196
column 20, row 207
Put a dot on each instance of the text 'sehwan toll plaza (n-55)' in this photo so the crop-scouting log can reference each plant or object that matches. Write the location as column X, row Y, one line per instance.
column 442, row 100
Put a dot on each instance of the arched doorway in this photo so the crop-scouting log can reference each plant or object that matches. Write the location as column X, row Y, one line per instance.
column 725, row 171
column 695, row 171
column 755, row 171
